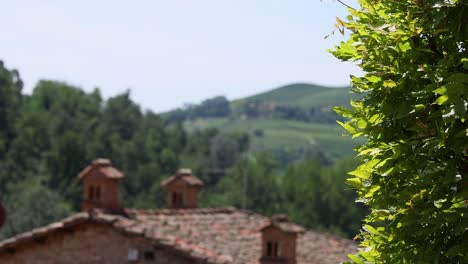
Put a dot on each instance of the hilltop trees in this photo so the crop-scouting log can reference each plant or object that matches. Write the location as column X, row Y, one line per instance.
column 413, row 114
column 215, row 107
column 10, row 93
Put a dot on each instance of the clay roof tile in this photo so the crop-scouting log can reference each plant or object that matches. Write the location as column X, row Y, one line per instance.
column 282, row 222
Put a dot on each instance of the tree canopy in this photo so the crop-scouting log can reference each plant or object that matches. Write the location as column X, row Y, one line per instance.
column 48, row 137
column 414, row 116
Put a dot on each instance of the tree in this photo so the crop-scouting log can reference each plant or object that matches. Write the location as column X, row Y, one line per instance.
column 316, row 196
column 262, row 191
column 10, row 102
column 214, row 107
column 31, row 204
column 224, row 150
column 413, row 114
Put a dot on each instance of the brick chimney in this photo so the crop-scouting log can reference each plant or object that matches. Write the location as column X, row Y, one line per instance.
column 279, row 241
column 100, row 186
column 182, row 190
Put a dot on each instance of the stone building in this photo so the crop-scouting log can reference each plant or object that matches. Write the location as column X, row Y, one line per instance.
column 183, row 233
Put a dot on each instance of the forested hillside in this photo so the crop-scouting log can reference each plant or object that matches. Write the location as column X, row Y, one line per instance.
column 47, row 137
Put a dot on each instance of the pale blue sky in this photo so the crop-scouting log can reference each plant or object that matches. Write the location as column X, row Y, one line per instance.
column 171, row 52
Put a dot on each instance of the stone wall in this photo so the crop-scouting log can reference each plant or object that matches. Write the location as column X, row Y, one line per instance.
column 90, row 243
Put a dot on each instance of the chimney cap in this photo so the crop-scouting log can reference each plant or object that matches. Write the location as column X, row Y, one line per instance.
column 185, row 175
column 280, row 218
column 183, row 171
column 104, row 166
column 101, row 162
column 281, row 222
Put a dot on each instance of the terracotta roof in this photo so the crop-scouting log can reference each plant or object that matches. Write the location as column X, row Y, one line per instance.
column 282, row 222
column 111, row 172
column 185, row 175
column 42, row 231
column 104, row 166
column 221, row 235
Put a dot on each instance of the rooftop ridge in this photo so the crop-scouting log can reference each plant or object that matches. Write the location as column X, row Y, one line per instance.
column 166, row 211
column 43, row 230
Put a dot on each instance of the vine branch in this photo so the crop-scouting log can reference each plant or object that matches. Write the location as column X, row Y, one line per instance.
column 343, row 3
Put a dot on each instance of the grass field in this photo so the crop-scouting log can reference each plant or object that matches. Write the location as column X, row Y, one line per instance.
column 284, row 134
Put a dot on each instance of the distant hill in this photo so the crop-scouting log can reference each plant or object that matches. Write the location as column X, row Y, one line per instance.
column 302, row 95
column 294, row 121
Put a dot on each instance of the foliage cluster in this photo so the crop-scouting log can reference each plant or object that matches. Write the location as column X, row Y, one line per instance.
column 319, row 114
column 414, row 116
column 210, row 108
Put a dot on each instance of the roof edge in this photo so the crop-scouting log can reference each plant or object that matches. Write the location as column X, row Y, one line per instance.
column 186, row 248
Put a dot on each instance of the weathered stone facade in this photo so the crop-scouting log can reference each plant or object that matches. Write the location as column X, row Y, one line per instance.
column 88, row 244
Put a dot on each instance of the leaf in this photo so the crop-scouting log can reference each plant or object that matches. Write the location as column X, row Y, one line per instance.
column 345, row 112
column 439, row 203
column 356, row 182
column 361, row 124
column 375, row 119
column 371, row 229
column 404, row 47
column 372, row 190
column 340, row 25
column 418, row 107
column 358, row 134
column 339, row 21
column 441, row 90
column 373, row 78
column 389, row 84
column 347, row 126
column 442, row 99
column 356, row 259
column 388, row 172
column 360, row 174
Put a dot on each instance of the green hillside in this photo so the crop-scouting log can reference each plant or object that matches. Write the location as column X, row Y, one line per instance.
column 302, row 95
column 278, row 134
column 285, row 135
